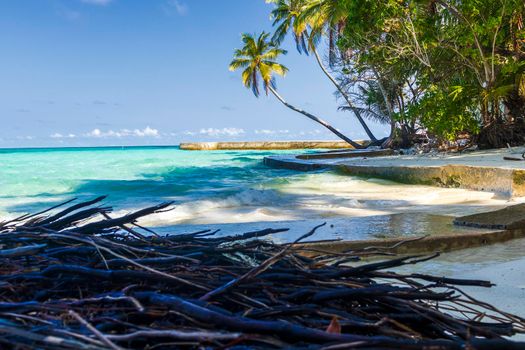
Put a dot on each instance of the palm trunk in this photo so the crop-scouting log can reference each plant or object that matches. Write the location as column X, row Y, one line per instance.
column 346, row 97
column 389, row 141
column 317, row 120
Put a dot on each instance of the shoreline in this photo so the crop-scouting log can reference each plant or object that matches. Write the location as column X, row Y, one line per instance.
column 477, row 170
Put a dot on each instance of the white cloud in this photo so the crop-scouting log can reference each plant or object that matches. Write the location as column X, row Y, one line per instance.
column 95, row 133
column 271, row 132
column 175, row 7
column 214, row 132
column 97, row 2
column 146, row 132
column 312, row 132
column 220, row 132
column 58, row 135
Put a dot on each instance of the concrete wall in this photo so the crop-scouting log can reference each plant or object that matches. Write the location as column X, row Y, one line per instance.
column 510, row 182
column 266, row 145
column 425, row 244
column 505, row 181
column 347, row 154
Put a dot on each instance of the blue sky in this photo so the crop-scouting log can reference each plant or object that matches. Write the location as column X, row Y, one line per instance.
column 139, row 72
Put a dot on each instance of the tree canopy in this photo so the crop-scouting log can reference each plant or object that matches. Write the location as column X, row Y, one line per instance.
column 438, row 68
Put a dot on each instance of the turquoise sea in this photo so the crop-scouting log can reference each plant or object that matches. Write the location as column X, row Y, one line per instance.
column 133, row 177
column 206, row 186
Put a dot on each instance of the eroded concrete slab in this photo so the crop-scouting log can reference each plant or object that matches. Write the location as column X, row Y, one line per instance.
column 426, row 244
column 347, row 154
column 481, row 171
column 510, row 218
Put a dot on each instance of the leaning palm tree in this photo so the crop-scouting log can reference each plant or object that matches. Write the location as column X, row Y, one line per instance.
column 284, row 17
column 325, row 18
column 258, row 58
column 297, row 16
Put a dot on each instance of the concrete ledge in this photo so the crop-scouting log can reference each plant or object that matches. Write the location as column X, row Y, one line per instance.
column 347, row 154
column 453, row 176
column 266, row 145
column 428, row 244
column 296, row 164
column 509, row 218
column 508, row 181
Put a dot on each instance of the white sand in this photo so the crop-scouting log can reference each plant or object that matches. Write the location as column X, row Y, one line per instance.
column 502, row 264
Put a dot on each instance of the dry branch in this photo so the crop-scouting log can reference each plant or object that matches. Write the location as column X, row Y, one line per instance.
column 76, row 279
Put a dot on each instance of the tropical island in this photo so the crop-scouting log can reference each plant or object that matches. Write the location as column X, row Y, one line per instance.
column 406, row 232
column 435, row 71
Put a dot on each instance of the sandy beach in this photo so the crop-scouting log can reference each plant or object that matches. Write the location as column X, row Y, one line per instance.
column 502, row 264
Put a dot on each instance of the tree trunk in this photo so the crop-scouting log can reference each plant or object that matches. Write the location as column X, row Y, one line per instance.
column 390, row 140
column 346, row 97
column 515, row 104
column 317, row 120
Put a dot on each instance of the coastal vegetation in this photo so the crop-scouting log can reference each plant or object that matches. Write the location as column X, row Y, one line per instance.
column 438, row 70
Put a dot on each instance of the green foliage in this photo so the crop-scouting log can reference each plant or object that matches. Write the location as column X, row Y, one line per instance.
column 446, row 66
column 466, row 57
column 446, row 113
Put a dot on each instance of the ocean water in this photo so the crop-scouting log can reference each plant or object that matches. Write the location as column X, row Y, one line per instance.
column 209, row 186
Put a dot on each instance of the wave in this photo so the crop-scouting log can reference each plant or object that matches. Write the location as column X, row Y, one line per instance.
column 250, row 205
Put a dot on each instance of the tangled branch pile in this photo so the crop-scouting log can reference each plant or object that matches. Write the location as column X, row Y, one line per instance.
column 80, row 279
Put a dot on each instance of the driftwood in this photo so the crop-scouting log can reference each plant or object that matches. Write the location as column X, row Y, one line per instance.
column 80, row 279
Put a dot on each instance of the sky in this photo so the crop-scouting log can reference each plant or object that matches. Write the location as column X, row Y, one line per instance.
column 148, row 72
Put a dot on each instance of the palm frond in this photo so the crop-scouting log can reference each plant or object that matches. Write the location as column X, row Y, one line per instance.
column 368, row 114
column 285, row 19
column 281, row 31
column 247, row 77
column 273, row 53
column 258, row 58
column 239, row 63
column 277, row 68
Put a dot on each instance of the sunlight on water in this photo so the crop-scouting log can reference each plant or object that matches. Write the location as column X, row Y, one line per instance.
column 210, row 186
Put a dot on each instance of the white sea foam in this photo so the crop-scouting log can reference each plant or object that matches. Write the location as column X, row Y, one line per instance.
column 327, row 196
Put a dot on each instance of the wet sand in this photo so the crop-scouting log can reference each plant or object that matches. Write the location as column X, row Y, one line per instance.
column 503, row 264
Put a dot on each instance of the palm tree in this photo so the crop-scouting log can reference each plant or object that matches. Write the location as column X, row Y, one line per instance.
column 318, row 15
column 258, row 59
column 284, row 17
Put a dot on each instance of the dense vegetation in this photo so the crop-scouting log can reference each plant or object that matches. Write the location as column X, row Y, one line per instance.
column 429, row 68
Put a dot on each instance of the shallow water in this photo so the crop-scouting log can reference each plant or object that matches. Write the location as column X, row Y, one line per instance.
column 211, row 186
column 502, row 264
column 339, row 228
